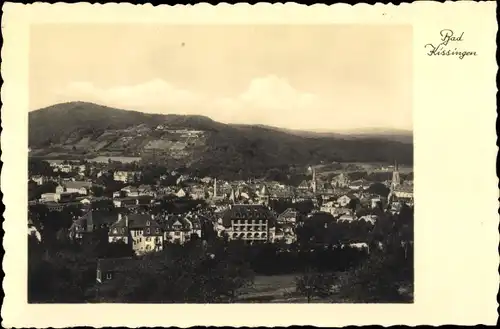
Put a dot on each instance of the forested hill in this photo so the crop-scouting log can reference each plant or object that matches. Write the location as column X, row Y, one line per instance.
column 91, row 129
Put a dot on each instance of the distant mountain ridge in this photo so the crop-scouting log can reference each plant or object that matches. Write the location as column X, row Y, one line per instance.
column 96, row 129
column 400, row 135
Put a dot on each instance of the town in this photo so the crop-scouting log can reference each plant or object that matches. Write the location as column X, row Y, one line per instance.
column 134, row 212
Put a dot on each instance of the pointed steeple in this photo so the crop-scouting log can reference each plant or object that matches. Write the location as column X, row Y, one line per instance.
column 231, row 195
column 395, row 176
column 313, row 183
column 263, row 191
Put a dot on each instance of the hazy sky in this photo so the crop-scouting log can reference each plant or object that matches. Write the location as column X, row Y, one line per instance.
column 320, row 77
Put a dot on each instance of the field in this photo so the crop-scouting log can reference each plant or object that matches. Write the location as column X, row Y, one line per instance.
column 275, row 289
column 281, row 289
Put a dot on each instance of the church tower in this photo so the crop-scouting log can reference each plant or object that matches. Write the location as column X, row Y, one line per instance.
column 395, row 176
column 215, row 188
column 232, row 197
column 313, row 183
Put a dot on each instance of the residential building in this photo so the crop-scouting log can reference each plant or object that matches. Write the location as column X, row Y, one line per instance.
column 140, row 231
column 130, row 191
column 181, row 193
column 50, row 197
column 180, row 229
column 340, row 180
column 290, row 215
column 344, row 200
column 92, row 220
column 39, row 180
column 126, row 176
column 249, row 223
column 125, row 202
column 285, row 232
column 372, row 219
column 80, row 187
column 347, row 218
column 146, row 233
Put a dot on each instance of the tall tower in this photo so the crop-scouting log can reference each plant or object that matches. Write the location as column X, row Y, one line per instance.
column 395, row 176
column 313, row 183
column 215, row 188
column 231, row 196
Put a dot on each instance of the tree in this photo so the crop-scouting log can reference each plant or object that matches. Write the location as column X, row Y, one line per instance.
column 39, row 167
column 62, row 276
column 379, row 189
column 313, row 284
column 379, row 278
column 182, row 274
column 97, row 190
column 353, row 204
column 36, row 191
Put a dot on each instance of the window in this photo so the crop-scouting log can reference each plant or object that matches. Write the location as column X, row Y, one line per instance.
column 147, row 230
column 148, row 239
column 157, row 230
column 109, row 276
column 148, row 223
column 177, row 233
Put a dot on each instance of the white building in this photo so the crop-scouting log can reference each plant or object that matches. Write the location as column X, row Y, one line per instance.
column 126, row 176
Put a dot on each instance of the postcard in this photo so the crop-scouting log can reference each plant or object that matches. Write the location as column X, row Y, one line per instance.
column 199, row 165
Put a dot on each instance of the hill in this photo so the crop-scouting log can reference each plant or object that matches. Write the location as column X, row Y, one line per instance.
column 86, row 130
column 399, row 135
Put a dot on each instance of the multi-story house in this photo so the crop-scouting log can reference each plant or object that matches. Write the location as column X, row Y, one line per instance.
column 344, row 200
column 91, row 221
column 340, row 180
column 140, row 231
column 80, row 187
column 126, row 176
column 125, row 202
column 130, row 191
column 39, row 179
column 249, row 222
column 180, row 229
column 288, row 216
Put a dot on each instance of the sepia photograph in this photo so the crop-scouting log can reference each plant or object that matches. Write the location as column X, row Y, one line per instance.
column 220, row 164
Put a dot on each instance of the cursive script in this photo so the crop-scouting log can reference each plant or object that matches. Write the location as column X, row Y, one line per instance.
column 449, row 45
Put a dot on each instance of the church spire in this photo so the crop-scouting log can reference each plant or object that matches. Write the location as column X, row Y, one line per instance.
column 395, row 176
column 313, row 183
column 231, row 196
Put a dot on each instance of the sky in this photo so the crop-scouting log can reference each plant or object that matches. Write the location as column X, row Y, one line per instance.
column 309, row 77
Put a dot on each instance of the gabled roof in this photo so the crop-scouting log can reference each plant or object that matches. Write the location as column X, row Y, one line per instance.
column 173, row 220
column 120, row 226
column 141, row 221
column 248, row 211
column 78, row 184
column 404, row 188
column 289, row 212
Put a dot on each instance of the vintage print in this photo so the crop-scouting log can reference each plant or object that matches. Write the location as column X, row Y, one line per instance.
column 220, row 164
